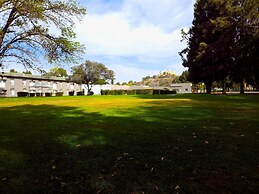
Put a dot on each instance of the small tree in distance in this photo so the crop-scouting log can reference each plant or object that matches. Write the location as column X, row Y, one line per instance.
column 57, row 71
column 91, row 73
column 13, row 71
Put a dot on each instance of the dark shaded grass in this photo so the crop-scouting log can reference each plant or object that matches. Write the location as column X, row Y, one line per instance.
column 208, row 144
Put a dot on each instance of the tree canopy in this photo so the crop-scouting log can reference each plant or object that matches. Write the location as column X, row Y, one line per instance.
column 223, row 42
column 32, row 31
column 91, row 73
column 57, row 72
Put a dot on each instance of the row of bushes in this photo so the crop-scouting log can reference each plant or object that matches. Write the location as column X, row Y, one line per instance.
column 72, row 93
column 164, row 92
column 136, row 92
column 25, row 94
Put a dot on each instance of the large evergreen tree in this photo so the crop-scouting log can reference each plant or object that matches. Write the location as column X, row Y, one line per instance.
column 33, row 29
column 222, row 42
column 244, row 22
column 199, row 53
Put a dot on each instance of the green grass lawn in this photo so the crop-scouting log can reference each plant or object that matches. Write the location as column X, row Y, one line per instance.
column 130, row 144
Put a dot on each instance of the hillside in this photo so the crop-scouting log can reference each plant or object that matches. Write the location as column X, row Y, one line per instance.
column 163, row 79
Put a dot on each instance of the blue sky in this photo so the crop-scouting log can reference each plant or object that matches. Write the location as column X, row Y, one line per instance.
column 135, row 38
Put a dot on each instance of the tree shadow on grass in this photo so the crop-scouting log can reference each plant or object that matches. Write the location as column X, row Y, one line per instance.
column 59, row 149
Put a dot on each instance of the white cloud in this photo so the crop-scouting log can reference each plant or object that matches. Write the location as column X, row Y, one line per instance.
column 168, row 14
column 138, row 38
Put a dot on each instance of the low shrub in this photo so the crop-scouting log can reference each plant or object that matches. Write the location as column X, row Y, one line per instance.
column 48, row 93
column 136, row 92
column 71, row 93
column 22, row 94
column 112, row 92
column 119, row 92
column 90, row 93
column 144, row 91
column 59, row 93
column 32, row 95
column 104, row 92
column 81, row 93
column 131, row 92
column 164, row 92
column 38, row 94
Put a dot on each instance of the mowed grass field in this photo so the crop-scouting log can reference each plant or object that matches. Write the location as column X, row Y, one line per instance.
column 130, row 144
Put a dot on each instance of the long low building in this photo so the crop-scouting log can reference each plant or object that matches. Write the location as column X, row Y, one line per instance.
column 179, row 88
column 12, row 83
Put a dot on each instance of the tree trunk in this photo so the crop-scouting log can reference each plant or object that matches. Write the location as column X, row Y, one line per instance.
column 223, row 87
column 242, row 85
column 208, row 87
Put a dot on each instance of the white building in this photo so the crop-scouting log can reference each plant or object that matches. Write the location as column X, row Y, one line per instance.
column 182, row 88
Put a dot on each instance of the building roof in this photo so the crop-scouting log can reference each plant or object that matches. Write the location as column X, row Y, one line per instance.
column 30, row 76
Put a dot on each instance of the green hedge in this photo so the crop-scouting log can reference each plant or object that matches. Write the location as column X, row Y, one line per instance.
column 146, row 91
column 111, row 92
column 164, row 92
column 136, row 92
column 71, row 93
column 130, row 92
column 22, row 94
column 81, row 93
column 39, row 94
column 59, row 94
column 48, row 93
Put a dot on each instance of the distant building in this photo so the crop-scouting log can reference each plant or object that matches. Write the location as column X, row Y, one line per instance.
column 11, row 83
column 181, row 87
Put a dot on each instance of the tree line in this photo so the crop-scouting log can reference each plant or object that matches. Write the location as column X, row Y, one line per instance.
column 222, row 43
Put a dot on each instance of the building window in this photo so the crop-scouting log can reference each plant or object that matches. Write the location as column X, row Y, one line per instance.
column 24, row 82
column 12, row 92
column 2, row 83
column 12, row 82
column 54, row 86
column 32, row 83
column 24, row 90
column 186, row 89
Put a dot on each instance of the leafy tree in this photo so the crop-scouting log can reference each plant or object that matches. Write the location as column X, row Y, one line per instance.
column 131, row 83
column 101, row 82
column 13, row 71
column 25, row 31
column 58, row 72
column 146, row 78
column 27, row 72
column 183, row 78
column 91, row 73
column 176, row 80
